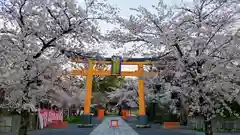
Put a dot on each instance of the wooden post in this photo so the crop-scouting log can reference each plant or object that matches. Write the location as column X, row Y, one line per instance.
column 141, row 98
column 88, row 96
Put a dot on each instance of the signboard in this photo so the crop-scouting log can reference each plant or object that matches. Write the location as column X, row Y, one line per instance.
column 114, row 124
column 116, row 65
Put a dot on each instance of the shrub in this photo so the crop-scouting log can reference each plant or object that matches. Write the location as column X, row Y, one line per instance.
column 74, row 119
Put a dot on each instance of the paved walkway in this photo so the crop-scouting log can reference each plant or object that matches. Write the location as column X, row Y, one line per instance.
column 157, row 129
column 104, row 128
column 128, row 128
column 71, row 130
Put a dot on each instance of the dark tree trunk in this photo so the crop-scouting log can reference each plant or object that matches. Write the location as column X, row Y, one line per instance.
column 208, row 127
column 106, row 107
column 154, row 111
column 183, row 117
column 120, row 111
column 24, row 122
column 151, row 112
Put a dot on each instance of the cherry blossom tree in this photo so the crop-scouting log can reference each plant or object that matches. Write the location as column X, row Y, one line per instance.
column 204, row 39
column 34, row 35
column 64, row 90
column 128, row 92
column 125, row 93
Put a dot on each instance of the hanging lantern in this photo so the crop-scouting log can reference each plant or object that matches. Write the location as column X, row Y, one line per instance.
column 116, row 65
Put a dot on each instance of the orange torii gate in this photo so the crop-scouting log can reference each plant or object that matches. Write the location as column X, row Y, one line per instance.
column 91, row 71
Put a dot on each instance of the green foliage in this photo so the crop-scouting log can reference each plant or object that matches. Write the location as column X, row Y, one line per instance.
column 106, row 83
column 143, row 126
column 111, row 113
column 235, row 107
column 199, row 129
column 74, row 119
column 167, row 117
column 218, row 130
column 163, row 114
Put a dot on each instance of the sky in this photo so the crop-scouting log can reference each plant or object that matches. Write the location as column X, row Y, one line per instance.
column 124, row 6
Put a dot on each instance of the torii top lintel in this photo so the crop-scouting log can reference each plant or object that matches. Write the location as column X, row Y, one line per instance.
column 126, row 61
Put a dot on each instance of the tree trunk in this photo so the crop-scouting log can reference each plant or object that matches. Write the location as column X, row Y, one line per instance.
column 106, row 107
column 154, row 111
column 208, row 127
column 120, row 111
column 24, row 123
column 183, row 117
column 183, row 112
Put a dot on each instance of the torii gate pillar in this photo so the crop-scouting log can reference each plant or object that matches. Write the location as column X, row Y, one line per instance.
column 87, row 103
column 143, row 119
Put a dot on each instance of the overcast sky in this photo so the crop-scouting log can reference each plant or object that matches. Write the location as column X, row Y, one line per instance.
column 124, row 6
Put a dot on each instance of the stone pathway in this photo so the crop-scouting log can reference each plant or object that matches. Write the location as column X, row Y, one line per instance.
column 128, row 128
column 104, row 128
column 71, row 130
column 157, row 129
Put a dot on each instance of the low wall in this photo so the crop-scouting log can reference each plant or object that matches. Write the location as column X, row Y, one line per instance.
column 12, row 123
column 218, row 124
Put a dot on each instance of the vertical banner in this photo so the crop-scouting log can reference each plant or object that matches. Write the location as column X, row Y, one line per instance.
column 116, row 65
column 50, row 115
